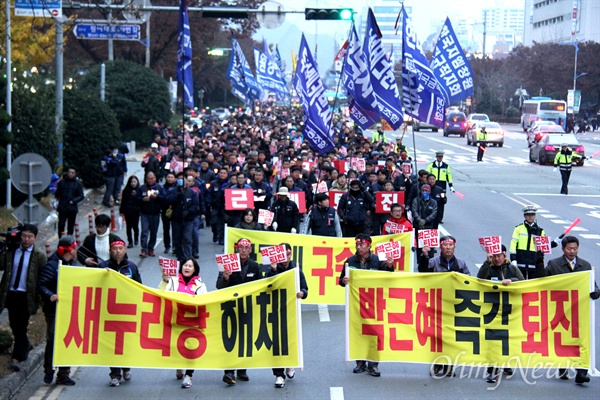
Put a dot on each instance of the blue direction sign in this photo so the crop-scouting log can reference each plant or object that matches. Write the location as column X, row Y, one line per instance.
column 106, row 32
column 38, row 8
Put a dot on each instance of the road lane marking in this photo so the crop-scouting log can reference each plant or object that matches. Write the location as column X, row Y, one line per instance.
column 561, row 221
column 323, row 313
column 336, row 393
column 589, row 236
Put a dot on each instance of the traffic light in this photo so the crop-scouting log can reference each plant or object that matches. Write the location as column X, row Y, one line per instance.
column 343, row 14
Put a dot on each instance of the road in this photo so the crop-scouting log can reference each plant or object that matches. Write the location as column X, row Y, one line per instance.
column 494, row 193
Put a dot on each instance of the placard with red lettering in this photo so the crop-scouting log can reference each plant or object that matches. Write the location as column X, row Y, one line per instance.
column 265, row 217
column 406, row 168
column 491, row 244
column 300, row 199
column 334, row 198
column 239, row 199
column 341, row 166
column 542, row 243
column 322, row 187
column 285, row 172
column 358, row 164
column 308, row 165
column 229, row 262
column 429, row 238
column 384, row 201
column 274, row 254
column 389, row 249
column 169, row 266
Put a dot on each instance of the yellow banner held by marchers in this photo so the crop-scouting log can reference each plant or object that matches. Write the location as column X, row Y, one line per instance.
column 452, row 318
column 320, row 257
column 106, row 319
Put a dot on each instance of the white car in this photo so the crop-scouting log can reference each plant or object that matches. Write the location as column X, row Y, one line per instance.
column 221, row 113
column 472, row 118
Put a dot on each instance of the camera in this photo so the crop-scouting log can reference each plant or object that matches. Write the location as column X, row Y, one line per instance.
column 12, row 238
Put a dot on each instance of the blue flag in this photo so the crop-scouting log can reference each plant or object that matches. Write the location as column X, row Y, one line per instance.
column 247, row 79
column 421, row 93
column 451, row 67
column 235, row 74
column 362, row 103
column 267, row 71
column 280, row 64
column 311, row 91
column 184, row 56
column 382, row 75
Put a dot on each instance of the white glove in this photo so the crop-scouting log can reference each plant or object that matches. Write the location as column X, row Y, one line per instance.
column 514, row 262
column 293, row 230
column 554, row 170
column 452, row 189
column 274, row 225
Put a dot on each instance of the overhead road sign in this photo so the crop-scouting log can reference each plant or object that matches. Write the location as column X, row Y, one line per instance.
column 38, row 8
column 106, row 32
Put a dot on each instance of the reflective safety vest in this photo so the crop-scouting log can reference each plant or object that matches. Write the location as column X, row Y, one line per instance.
column 564, row 160
column 377, row 136
column 442, row 173
column 522, row 246
column 481, row 136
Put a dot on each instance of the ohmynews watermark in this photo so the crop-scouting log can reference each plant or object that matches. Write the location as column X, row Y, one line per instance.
column 529, row 372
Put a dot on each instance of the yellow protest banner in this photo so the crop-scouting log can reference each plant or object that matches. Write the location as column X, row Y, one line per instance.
column 105, row 319
column 451, row 318
column 320, row 257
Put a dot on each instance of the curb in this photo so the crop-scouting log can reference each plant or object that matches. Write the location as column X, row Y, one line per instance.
column 10, row 385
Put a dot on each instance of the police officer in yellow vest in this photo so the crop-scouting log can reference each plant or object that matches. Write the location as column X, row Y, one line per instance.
column 443, row 178
column 481, row 143
column 522, row 245
column 379, row 135
column 564, row 160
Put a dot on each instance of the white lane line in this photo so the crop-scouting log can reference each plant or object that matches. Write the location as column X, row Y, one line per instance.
column 555, row 195
column 549, row 216
column 578, row 229
column 323, row 313
column 561, row 221
column 336, row 393
column 589, row 236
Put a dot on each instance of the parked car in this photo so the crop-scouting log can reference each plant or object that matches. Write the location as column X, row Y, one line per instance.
column 221, row 113
column 544, row 151
column 495, row 133
column 472, row 118
column 456, row 124
column 538, row 132
column 418, row 125
column 537, row 124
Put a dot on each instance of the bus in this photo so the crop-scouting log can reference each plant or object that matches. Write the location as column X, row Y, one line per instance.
column 543, row 109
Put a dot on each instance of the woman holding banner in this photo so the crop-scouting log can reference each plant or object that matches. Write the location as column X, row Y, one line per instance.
column 187, row 280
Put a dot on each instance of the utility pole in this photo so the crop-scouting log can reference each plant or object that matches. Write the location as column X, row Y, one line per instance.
column 484, row 30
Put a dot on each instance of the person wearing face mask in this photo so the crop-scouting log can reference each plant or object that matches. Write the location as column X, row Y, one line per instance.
column 354, row 208
column 114, row 166
column 424, row 209
column 185, row 204
column 186, row 281
column 322, row 219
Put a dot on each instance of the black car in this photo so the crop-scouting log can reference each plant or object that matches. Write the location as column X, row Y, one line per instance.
column 456, row 124
column 544, row 151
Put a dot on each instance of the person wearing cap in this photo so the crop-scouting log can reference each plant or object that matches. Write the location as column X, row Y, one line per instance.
column 564, row 160
column 424, row 209
column 443, row 178
column 250, row 271
column 499, row 269
column 152, row 161
column 278, row 268
column 354, row 208
column 114, row 166
column 397, row 222
column 65, row 254
column 522, row 245
column 379, row 135
column 119, row 262
column 481, row 143
column 287, row 216
column 568, row 263
column 323, row 220
column 365, row 259
column 445, row 262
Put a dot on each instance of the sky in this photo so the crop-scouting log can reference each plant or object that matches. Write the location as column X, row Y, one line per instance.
column 288, row 35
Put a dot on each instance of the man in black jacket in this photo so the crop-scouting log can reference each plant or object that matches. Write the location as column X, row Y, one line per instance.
column 95, row 247
column 354, row 208
column 364, row 259
column 185, row 203
column 114, row 166
column 152, row 196
column 69, row 193
column 47, row 287
column 217, row 199
column 323, row 219
column 250, row 271
column 286, row 218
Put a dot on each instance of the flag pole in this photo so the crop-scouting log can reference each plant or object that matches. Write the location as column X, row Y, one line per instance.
column 337, row 90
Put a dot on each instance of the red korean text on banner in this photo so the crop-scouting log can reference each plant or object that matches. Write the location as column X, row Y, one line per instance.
column 308, row 165
column 406, row 168
column 542, row 243
column 384, row 200
column 334, row 198
column 274, row 254
column 358, row 164
column 429, row 238
column 491, row 244
column 228, row 262
column 239, row 199
column 285, row 173
column 322, row 187
column 169, row 266
column 389, row 249
column 341, row 166
column 300, row 199
column 265, row 217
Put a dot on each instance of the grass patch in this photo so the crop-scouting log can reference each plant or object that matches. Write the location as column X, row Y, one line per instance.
column 37, row 336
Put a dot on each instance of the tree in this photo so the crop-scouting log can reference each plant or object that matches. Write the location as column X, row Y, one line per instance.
column 5, row 136
column 33, row 40
column 136, row 94
column 91, row 127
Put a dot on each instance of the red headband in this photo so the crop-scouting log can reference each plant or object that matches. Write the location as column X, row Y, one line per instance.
column 244, row 242
column 117, row 243
column 363, row 241
column 61, row 250
column 449, row 240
